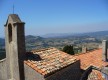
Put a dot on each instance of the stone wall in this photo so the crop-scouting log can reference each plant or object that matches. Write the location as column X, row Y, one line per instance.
column 31, row 74
column 3, row 71
column 71, row 72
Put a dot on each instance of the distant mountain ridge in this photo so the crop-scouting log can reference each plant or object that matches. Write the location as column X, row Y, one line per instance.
column 30, row 39
column 33, row 39
column 2, row 42
column 1, row 39
column 31, row 36
column 60, row 35
column 98, row 33
column 63, row 35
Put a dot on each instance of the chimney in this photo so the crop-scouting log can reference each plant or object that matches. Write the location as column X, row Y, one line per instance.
column 104, row 50
column 100, row 46
column 84, row 49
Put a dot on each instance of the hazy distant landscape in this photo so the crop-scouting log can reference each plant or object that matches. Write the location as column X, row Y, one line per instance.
column 77, row 41
column 90, row 40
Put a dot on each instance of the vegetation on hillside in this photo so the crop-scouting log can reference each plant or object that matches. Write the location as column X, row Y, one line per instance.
column 39, row 42
column 90, row 40
column 68, row 49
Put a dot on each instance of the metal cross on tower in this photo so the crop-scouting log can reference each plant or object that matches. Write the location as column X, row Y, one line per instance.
column 13, row 8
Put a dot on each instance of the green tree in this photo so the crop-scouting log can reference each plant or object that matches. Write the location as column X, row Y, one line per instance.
column 68, row 49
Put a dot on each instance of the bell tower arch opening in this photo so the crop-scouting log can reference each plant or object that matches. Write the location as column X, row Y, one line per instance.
column 10, row 32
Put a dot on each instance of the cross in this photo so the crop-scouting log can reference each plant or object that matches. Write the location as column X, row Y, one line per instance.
column 13, row 8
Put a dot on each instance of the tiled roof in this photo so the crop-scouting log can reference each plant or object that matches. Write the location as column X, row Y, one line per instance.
column 93, row 58
column 95, row 75
column 49, row 60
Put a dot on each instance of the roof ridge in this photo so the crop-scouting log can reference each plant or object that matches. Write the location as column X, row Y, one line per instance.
column 43, row 49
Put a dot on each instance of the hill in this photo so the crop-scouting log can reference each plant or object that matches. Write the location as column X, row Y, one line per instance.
column 2, row 42
column 91, row 40
column 64, row 35
column 33, row 39
column 35, row 42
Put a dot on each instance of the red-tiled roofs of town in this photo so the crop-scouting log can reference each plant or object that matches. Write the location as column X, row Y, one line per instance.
column 93, row 58
column 95, row 75
column 51, row 60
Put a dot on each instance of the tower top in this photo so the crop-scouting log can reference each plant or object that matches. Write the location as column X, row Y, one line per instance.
column 13, row 18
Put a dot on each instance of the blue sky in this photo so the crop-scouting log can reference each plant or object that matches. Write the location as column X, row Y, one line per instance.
column 57, row 16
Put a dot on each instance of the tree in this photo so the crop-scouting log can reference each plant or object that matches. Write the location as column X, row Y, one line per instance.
column 69, row 49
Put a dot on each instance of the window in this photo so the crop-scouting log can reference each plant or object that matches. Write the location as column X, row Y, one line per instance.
column 10, row 32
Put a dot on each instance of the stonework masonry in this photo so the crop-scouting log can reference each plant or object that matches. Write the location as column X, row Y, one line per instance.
column 72, row 72
column 31, row 74
column 84, row 49
column 104, row 49
column 3, row 72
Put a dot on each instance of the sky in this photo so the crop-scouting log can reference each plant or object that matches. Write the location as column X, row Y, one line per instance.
column 57, row 16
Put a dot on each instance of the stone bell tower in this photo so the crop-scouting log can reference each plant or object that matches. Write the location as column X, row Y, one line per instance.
column 15, row 47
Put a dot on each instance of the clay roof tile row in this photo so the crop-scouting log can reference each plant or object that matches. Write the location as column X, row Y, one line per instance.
column 93, row 58
column 51, row 61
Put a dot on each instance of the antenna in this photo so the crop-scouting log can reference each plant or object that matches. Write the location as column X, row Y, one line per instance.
column 13, row 8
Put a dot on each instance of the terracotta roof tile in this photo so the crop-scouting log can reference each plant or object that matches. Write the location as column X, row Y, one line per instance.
column 93, row 58
column 95, row 75
column 51, row 61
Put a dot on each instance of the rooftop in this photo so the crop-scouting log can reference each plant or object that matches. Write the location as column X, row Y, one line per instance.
column 92, row 58
column 95, row 75
column 50, row 60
